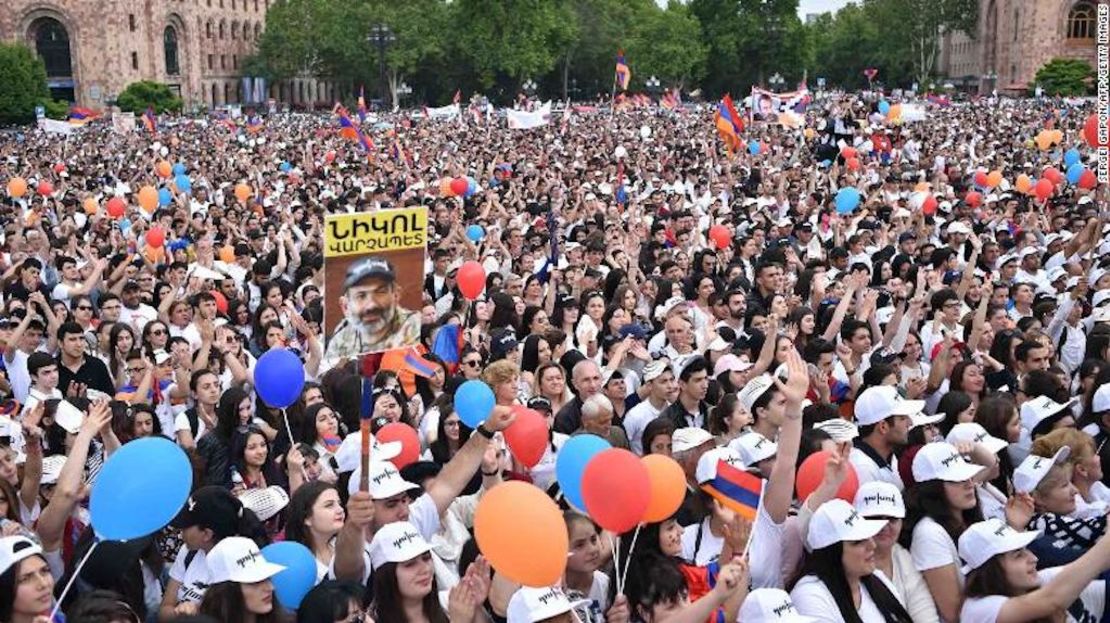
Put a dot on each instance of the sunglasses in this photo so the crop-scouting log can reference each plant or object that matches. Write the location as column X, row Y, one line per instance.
column 84, row 308
column 473, row 363
column 157, row 332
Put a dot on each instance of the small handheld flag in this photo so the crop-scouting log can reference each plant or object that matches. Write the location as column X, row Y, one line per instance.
column 736, row 489
column 364, row 428
column 623, row 73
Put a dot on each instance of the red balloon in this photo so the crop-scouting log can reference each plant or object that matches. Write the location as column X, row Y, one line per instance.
column 1043, row 189
column 981, row 179
column 852, row 164
column 527, row 436
column 1087, row 180
column 410, row 443
column 329, row 157
column 59, row 167
column 973, row 199
column 720, row 235
column 929, row 205
column 812, row 471
column 848, row 152
column 472, row 279
column 45, row 188
column 616, row 489
column 221, row 301
column 115, row 207
column 155, row 237
column 459, row 186
column 1053, row 175
column 1090, row 132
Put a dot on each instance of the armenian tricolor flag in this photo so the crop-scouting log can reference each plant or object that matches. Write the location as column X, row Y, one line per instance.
column 254, row 124
column 623, row 73
column 448, row 345
column 729, row 124
column 416, row 363
column 668, row 101
column 150, row 121
column 397, row 151
column 348, row 129
column 736, row 489
column 79, row 115
column 361, row 106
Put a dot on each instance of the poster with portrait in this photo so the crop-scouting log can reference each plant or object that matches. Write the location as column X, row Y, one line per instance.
column 373, row 272
column 771, row 107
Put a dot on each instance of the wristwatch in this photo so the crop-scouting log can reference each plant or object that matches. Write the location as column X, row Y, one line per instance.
column 483, row 431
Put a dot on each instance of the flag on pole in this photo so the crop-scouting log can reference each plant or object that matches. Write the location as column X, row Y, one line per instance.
column 448, row 345
column 623, row 73
column 150, row 121
column 729, row 124
column 361, row 106
column 457, row 98
column 79, row 115
column 254, row 124
column 668, row 101
column 736, row 489
column 348, row 129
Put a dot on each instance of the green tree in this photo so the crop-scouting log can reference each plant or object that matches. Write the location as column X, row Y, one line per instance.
column 516, row 39
column 749, row 40
column 138, row 96
column 667, row 43
column 22, row 84
column 1066, row 76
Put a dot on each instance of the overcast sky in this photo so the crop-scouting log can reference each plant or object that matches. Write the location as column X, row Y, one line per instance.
column 819, row 6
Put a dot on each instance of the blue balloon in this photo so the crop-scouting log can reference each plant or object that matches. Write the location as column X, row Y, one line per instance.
column 846, row 200
column 165, row 197
column 124, row 224
column 1071, row 157
column 286, row 167
column 884, row 107
column 299, row 576
column 471, row 186
column 279, row 377
column 475, row 233
column 753, row 147
column 570, row 465
column 183, row 184
column 1075, row 171
column 153, row 474
column 178, row 169
column 473, row 402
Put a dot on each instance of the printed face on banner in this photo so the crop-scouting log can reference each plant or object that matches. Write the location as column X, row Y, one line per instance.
column 373, row 271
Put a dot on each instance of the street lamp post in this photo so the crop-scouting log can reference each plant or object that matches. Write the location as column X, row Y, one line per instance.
column 776, row 81
column 652, row 85
column 529, row 87
column 381, row 36
column 403, row 91
column 989, row 79
column 574, row 88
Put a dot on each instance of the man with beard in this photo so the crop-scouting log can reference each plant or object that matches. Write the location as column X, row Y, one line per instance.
column 373, row 319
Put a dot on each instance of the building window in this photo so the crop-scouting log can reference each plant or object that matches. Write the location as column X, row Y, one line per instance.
column 235, row 61
column 1081, row 21
column 52, row 44
column 257, row 31
column 170, row 44
column 131, row 22
column 208, row 30
column 255, row 6
column 211, row 61
column 223, row 61
column 221, row 29
column 135, row 60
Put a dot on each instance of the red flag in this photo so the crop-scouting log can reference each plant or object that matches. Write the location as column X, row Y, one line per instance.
column 457, row 98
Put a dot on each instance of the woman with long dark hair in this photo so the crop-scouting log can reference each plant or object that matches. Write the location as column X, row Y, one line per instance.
column 999, row 417
column 837, row 581
column 26, row 585
column 313, row 519
column 120, row 342
column 451, row 433
column 239, row 587
column 233, row 412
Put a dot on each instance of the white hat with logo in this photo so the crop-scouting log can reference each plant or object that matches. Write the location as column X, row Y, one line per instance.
column 973, row 432
column 837, row 521
column 986, row 539
column 941, row 461
column 529, row 605
column 689, row 438
column 1034, row 468
column 880, row 402
column 770, row 605
column 1101, row 401
column 238, row 559
column 14, row 549
column 1035, row 411
column 399, row 541
column 753, row 389
column 753, row 448
column 878, row 498
column 707, row 464
column 384, row 482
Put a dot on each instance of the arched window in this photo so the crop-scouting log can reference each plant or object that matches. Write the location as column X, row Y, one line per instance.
column 1081, row 21
column 234, row 30
column 52, row 44
column 222, row 29
column 208, row 29
column 257, row 31
column 170, row 43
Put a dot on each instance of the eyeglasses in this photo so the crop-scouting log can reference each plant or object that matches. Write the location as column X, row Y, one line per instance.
column 158, row 332
column 473, row 363
column 138, row 370
column 84, row 308
column 451, row 424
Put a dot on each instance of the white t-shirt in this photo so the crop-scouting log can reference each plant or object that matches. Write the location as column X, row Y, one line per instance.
column 704, row 549
column 867, row 470
column 139, row 316
column 193, row 579
column 932, row 548
column 423, row 515
column 766, row 547
column 543, row 473
column 986, row 609
column 812, row 598
column 18, row 375
column 636, row 420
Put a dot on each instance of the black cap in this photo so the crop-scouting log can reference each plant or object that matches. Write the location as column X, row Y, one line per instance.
column 211, row 507
column 502, row 342
column 367, row 268
column 539, row 403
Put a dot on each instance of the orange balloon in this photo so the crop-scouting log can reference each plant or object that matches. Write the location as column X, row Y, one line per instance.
column 921, row 187
column 163, row 168
column 90, row 206
column 668, row 487
column 154, row 255
column 521, row 533
column 148, row 198
column 242, row 192
column 17, row 187
column 445, row 187
column 227, row 254
column 1023, row 183
column 994, row 178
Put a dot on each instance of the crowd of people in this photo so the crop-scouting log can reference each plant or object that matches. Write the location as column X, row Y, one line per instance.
column 951, row 366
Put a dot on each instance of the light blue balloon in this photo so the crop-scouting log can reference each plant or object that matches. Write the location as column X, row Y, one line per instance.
column 279, row 377
column 1071, row 157
column 846, row 200
column 570, row 465
column 471, row 186
column 475, row 233
column 183, row 184
column 1075, row 171
column 165, row 197
column 124, row 224
column 473, row 402
column 299, row 576
column 152, row 474
column 753, row 147
column 884, row 107
column 178, row 169
column 286, row 167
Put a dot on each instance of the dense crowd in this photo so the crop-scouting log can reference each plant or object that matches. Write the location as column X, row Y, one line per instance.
column 943, row 345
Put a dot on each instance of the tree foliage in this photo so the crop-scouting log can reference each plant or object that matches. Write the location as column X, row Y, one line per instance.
column 138, row 96
column 1066, row 76
column 22, row 84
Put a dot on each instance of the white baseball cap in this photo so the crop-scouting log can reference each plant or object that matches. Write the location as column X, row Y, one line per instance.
column 1034, row 468
column 529, row 605
column 349, row 454
column 384, row 482
column 14, row 549
column 880, row 402
column 52, row 468
column 973, row 432
column 238, row 559
column 1100, row 297
column 730, row 363
column 770, row 605
column 753, row 448
column 986, row 539
column 689, row 438
column 839, row 429
column 1035, row 411
column 399, row 541
column 941, row 461
column 837, row 521
column 707, row 464
column 1101, row 400
column 878, row 498
column 753, row 389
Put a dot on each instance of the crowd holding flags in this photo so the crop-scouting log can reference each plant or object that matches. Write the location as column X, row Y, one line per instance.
column 348, row 129
column 150, row 121
column 729, row 123
column 623, row 73
column 361, row 106
column 79, row 115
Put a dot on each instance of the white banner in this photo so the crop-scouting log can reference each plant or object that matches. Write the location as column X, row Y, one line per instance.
column 913, row 112
column 53, row 126
column 444, row 112
column 123, row 122
column 521, row 120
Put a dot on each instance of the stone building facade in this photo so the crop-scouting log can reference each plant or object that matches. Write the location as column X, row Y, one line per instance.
column 94, row 48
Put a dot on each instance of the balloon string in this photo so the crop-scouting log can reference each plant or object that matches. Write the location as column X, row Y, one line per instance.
column 72, row 579
column 614, row 544
column 631, row 548
column 292, row 443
